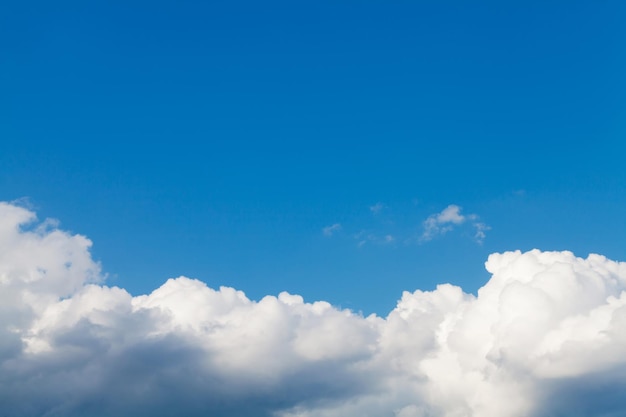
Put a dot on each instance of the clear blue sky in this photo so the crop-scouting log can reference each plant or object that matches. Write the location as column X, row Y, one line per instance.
column 217, row 140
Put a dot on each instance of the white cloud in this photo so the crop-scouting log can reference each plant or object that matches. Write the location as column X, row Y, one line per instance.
column 451, row 214
column 445, row 221
column 330, row 230
column 545, row 336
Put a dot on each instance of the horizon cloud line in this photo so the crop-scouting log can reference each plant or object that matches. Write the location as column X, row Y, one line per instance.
column 523, row 346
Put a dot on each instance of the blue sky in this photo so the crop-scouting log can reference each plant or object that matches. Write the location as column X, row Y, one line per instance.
column 217, row 140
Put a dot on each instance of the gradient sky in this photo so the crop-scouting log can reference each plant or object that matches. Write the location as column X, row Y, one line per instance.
column 220, row 140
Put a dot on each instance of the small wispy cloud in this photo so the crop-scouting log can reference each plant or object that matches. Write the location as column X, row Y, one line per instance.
column 441, row 223
column 332, row 229
column 364, row 237
column 376, row 208
column 480, row 228
column 384, row 230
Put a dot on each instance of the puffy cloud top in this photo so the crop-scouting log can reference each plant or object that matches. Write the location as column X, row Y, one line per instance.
column 545, row 336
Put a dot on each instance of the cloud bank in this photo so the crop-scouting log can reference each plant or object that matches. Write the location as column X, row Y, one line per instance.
column 545, row 336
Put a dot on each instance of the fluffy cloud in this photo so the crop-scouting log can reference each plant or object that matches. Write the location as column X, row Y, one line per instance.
column 444, row 221
column 545, row 336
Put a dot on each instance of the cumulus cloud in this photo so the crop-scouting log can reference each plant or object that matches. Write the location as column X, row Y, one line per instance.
column 545, row 336
column 445, row 221
column 330, row 230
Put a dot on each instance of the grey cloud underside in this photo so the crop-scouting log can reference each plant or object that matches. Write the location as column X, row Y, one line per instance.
column 545, row 337
column 98, row 371
column 594, row 394
column 160, row 378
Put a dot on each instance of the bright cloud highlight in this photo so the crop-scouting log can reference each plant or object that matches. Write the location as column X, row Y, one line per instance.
column 545, row 336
